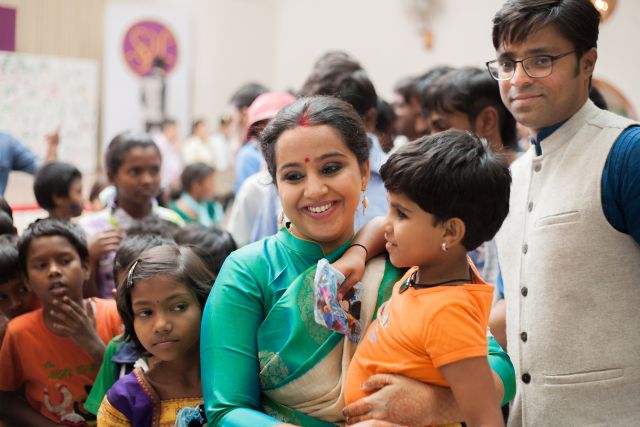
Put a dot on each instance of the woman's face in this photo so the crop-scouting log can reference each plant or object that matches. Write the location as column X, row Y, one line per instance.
column 319, row 183
column 138, row 178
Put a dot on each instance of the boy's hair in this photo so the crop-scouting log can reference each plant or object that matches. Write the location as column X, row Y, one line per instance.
column 195, row 172
column 9, row 258
column 5, row 207
column 178, row 262
column 154, row 226
column 54, row 178
column 6, row 224
column 316, row 111
column 470, row 90
column 121, row 145
column 386, row 116
column 576, row 20
column 52, row 227
column 131, row 248
column 212, row 243
column 452, row 174
column 406, row 87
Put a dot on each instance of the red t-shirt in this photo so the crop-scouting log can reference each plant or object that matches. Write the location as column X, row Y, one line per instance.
column 55, row 373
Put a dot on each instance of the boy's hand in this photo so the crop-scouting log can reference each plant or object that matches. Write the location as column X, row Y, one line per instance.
column 79, row 324
column 351, row 264
column 104, row 242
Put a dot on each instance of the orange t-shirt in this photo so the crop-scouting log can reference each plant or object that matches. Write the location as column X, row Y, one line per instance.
column 420, row 330
column 55, row 373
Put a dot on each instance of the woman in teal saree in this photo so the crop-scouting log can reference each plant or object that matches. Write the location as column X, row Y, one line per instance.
column 264, row 359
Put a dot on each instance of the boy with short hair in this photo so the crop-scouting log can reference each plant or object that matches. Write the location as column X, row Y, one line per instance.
column 15, row 297
column 58, row 190
column 53, row 353
column 447, row 194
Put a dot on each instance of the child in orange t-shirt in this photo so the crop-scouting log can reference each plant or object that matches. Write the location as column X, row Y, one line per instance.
column 53, row 354
column 447, row 195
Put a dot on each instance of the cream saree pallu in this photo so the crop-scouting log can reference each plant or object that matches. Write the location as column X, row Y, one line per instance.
column 303, row 364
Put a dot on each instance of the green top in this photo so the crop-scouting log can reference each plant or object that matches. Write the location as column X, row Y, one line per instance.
column 106, row 376
column 252, row 308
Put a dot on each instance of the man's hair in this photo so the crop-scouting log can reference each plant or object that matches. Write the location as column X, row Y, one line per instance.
column 9, row 258
column 452, row 174
column 424, row 81
column 52, row 227
column 327, row 69
column 406, row 87
column 576, row 20
column 54, row 178
column 316, row 111
column 470, row 90
column 168, row 122
column 386, row 116
column 195, row 172
column 212, row 243
column 178, row 262
column 246, row 94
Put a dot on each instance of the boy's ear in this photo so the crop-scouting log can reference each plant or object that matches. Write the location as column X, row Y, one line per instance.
column 486, row 124
column 454, row 231
column 58, row 200
column 86, row 269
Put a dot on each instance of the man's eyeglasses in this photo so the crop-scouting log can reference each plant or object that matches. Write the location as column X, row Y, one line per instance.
column 535, row 66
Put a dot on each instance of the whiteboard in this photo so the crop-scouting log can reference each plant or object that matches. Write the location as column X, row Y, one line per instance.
column 39, row 93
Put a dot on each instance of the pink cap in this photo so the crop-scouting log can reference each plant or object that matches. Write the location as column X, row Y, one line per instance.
column 266, row 106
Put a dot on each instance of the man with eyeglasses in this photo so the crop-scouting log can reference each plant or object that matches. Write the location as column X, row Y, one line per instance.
column 570, row 249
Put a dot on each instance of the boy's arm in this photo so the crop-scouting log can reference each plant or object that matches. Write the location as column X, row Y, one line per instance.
column 79, row 324
column 472, row 386
column 15, row 410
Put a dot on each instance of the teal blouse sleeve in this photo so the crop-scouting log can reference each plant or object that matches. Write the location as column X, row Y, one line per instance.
column 228, row 349
column 501, row 364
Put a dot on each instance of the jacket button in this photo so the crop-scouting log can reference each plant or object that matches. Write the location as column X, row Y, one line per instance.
column 523, row 336
column 530, row 206
column 524, row 291
column 537, row 168
column 525, row 248
column 526, row 378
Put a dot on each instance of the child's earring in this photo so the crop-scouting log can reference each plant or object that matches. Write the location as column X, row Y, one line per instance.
column 365, row 201
column 444, row 247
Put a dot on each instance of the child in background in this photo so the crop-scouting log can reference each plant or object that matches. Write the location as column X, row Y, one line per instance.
column 212, row 243
column 133, row 167
column 6, row 218
column 447, row 194
column 120, row 356
column 58, row 190
column 15, row 297
column 53, row 353
column 161, row 304
column 196, row 203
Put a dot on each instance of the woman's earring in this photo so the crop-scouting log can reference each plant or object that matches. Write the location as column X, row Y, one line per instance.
column 365, row 203
column 444, row 247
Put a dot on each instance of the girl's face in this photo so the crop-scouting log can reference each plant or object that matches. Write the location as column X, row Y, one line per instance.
column 138, row 178
column 319, row 183
column 166, row 317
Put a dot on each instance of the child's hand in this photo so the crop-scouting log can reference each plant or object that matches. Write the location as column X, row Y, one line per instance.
column 79, row 324
column 351, row 264
column 104, row 242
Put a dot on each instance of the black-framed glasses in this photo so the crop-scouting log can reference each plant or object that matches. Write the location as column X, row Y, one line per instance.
column 536, row 67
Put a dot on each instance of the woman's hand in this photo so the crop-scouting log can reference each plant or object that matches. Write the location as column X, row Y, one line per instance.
column 402, row 400
column 351, row 264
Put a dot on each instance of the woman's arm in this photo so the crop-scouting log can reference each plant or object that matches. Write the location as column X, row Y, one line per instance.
column 352, row 262
column 407, row 401
column 228, row 348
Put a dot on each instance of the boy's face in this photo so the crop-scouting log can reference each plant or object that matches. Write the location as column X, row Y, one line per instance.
column 72, row 204
column 16, row 298
column 412, row 238
column 54, row 269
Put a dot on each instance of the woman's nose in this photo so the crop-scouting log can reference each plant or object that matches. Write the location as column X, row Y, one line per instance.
column 315, row 188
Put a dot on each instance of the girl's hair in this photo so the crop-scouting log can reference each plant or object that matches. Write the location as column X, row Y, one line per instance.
column 178, row 262
column 195, row 172
column 316, row 111
column 121, row 145
column 131, row 248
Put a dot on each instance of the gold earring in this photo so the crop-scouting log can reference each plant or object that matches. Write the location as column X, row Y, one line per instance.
column 365, row 203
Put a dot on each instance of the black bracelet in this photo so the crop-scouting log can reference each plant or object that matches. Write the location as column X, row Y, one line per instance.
column 366, row 252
